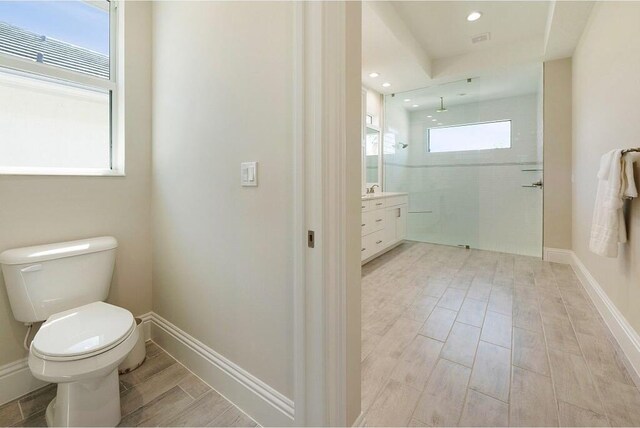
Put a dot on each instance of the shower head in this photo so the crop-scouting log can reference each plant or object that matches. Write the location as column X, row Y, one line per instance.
column 403, row 145
column 442, row 107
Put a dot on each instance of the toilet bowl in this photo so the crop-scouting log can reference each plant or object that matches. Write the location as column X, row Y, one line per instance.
column 83, row 339
column 80, row 350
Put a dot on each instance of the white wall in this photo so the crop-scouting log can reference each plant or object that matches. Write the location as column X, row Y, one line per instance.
column 44, row 209
column 476, row 198
column 222, row 253
column 606, row 66
column 557, row 153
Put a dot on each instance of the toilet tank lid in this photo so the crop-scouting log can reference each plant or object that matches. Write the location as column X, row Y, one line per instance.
column 40, row 253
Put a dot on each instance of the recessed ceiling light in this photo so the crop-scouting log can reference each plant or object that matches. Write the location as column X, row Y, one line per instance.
column 433, row 120
column 429, row 116
column 474, row 16
column 386, row 84
column 439, row 123
column 415, row 105
column 406, row 100
column 374, row 74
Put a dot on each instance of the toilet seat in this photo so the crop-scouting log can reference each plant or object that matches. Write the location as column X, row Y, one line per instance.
column 83, row 332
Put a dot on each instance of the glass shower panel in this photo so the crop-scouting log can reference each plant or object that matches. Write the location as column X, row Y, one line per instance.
column 472, row 168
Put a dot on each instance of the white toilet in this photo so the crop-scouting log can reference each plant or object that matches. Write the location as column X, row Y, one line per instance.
column 83, row 340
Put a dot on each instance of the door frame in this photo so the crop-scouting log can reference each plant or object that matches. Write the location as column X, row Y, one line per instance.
column 327, row 141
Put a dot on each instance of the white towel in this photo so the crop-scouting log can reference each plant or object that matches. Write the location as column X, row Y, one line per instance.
column 615, row 182
column 629, row 183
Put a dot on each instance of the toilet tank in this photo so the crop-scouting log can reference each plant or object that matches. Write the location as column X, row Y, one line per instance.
column 47, row 279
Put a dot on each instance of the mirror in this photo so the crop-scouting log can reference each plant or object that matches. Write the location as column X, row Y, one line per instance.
column 372, row 155
column 371, row 139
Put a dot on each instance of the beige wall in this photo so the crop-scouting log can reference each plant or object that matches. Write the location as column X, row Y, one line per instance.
column 606, row 114
column 222, row 254
column 557, row 153
column 354, row 212
column 43, row 209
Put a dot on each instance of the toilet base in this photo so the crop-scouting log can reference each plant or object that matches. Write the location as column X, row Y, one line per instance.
column 91, row 402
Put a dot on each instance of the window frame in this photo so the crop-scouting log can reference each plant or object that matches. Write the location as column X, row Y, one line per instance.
column 471, row 124
column 36, row 70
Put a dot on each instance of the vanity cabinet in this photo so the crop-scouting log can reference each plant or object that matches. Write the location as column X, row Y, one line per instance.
column 384, row 223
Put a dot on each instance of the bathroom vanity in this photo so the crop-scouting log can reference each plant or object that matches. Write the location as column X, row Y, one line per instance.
column 384, row 223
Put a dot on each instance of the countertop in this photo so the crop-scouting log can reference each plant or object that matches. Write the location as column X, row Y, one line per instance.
column 380, row 195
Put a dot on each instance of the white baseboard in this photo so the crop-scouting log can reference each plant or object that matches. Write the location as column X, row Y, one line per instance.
column 146, row 325
column 16, row 380
column 625, row 335
column 264, row 404
column 558, row 255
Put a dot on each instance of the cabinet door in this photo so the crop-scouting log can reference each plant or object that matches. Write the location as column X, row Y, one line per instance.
column 401, row 222
column 368, row 246
column 390, row 226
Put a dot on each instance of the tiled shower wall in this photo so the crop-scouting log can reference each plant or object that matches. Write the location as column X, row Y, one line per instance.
column 473, row 198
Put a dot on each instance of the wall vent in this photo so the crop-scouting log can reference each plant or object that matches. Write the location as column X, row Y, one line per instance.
column 481, row 38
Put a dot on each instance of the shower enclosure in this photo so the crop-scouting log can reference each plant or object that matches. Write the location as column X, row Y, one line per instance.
column 469, row 153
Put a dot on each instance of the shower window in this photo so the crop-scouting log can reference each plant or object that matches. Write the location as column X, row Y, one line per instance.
column 475, row 136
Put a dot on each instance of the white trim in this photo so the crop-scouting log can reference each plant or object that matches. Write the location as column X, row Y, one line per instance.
column 257, row 399
column 299, row 214
column 68, row 172
column 334, row 207
column 324, row 400
column 146, row 324
column 53, row 72
column 314, row 350
column 16, row 380
column 622, row 331
column 558, row 255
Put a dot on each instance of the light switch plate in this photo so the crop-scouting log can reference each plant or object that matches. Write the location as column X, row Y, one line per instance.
column 249, row 174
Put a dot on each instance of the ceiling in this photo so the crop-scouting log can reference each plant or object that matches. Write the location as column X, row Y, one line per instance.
column 417, row 44
column 442, row 28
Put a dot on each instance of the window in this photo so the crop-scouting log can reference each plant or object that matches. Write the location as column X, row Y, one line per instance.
column 58, row 88
column 475, row 136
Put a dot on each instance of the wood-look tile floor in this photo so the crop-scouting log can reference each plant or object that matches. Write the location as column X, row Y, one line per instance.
column 476, row 338
column 161, row 392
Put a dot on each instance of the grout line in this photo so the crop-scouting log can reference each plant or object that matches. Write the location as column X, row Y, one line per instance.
column 533, row 371
column 510, row 368
column 546, row 344
column 202, row 380
column 475, row 355
column 20, row 409
column 506, row 264
column 491, row 396
column 435, row 365
column 582, row 354
column 191, row 396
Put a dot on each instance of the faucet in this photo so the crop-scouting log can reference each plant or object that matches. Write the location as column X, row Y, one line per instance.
column 372, row 189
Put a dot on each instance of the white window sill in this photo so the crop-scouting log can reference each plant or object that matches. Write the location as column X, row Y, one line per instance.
column 63, row 172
